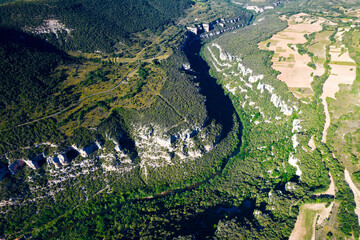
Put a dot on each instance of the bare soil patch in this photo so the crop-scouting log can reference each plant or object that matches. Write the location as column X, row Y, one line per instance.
column 312, row 143
column 343, row 71
column 293, row 66
column 327, row 120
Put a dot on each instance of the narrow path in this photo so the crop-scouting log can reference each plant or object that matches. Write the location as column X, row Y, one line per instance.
column 79, row 101
column 175, row 125
column 161, row 49
column 171, row 106
column 327, row 119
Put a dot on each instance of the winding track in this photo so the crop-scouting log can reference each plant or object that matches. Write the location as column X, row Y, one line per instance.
column 79, row 101
column 91, row 95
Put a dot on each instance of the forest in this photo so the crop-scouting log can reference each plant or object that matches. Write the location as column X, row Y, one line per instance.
column 27, row 68
column 93, row 25
column 149, row 132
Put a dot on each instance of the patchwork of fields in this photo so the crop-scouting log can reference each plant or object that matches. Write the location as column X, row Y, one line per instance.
column 312, row 47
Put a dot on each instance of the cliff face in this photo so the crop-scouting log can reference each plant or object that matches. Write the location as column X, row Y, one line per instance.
column 173, row 132
column 145, row 145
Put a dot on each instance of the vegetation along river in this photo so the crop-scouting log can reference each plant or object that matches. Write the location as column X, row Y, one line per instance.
column 219, row 107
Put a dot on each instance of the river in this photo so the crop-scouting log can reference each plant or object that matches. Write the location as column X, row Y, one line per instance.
column 219, row 107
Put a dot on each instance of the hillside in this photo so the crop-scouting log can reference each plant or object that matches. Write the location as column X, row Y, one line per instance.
column 211, row 119
column 79, row 124
column 304, row 54
column 89, row 25
column 27, row 68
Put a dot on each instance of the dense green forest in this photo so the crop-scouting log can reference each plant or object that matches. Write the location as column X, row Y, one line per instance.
column 93, row 25
column 178, row 107
column 26, row 67
column 176, row 137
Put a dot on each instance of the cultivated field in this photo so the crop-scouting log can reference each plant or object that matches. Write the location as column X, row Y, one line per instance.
column 317, row 46
column 342, row 68
column 293, row 66
column 343, row 71
column 298, row 69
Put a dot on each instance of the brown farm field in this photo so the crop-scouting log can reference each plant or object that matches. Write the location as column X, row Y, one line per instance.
column 342, row 72
column 293, row 66
column 313, row 46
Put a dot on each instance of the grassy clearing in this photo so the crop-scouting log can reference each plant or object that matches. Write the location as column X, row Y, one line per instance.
column 309, row 216
column 304, row 224
column 353, row 38
column 318, row 44
column 343, row 63
column 136, row 92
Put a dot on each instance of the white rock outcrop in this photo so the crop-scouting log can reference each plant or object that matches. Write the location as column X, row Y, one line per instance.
column 51, row 26
column 294, row 162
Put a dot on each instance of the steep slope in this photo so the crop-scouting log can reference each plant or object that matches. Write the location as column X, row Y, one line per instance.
column 150, row 146
column 89, row 25
column 26, row 67
column 277, row 130
column 170, row 143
